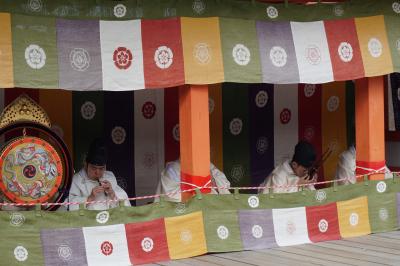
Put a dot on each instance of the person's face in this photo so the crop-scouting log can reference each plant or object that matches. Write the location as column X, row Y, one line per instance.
column 299, row 170
column 95, row 172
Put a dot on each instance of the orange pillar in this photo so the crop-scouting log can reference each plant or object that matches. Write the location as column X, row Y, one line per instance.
column 370, row 125
column 194, row 137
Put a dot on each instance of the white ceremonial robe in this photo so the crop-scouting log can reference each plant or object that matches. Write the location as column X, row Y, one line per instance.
column 346, row 167
column 82, row 187
column 283, row 175
column 170, row 181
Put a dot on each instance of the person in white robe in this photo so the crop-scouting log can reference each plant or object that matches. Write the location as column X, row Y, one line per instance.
column 94, row 183
column 170, row 182
column 289, row 175
column 346, row 167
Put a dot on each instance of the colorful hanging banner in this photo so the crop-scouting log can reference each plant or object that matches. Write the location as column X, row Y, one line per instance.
column 277, row 53
column 374, row 46
column 353, row 217
column 236, row 133
column 162, row 53
column 392, row 25
column 34, row 52
column 121, row 55
column 334, row 136
column 6, row 56
column 119, row 133
column 171, row 125
column 149, row 141
column 312, row 52
column 202, row 50
column 261, row 131
column 286, row 122
column 240, row 50
column 215, row 109
column 344, row 49
column 79, row 54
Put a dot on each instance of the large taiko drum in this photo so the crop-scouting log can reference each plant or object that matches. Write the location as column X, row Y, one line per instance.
column 35, row 164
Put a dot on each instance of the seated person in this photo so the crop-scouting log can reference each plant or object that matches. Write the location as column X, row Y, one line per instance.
column 94, row 183
column 171, row 181
column 286, row 176
column 346, row 167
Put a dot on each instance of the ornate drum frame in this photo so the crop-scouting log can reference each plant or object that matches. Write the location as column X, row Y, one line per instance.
column 37, row 136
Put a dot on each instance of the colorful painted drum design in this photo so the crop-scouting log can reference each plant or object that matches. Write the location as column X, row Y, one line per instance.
column 31, row 170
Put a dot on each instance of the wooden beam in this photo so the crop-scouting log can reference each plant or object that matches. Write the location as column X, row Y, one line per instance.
column 370, row 125
column 194, row 137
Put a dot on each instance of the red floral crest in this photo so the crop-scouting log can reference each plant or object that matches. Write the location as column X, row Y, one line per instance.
column 285, row 116
column 122, row 58
column 148, row 110
column 106, row 248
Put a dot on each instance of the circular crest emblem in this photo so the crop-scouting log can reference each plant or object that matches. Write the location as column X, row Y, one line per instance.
column 375, row 47
column 253, row 201
column 353, row 219
column 35, row 5
column 118, row 135
column 313, row 54
column 35, row 56
column 107, row 248
column 211, row 105
column 261, row 99
column 149, row 160
column 320, row 195
column 64, row 252
column 235, row 126
column 58, row 130
column 278, row 56
column 383, row 214
column 175, row 133
column 198, row 6
column 17, row 219
column 202, row 53
column 290, row 227
column 237, row 173
column 285, row 116
column 309, row 90
column 21, row 253
column 102, row 217
column 119, row 10
column 88, row 110
column 241, row 54
column 147, row 244
column 186, row 236
column 122, row 58
column 272, row 12
column 222, row 232
column 381, row 186
column 333, row 103
column 257, row 231
column 345, row 52
column 262, row 145
column 309, row 133
column 180, row 208
column 338, row 10
column 323, row 225
column 396, row 7
column 163, row 57
column 79, row 59
column 148, row 110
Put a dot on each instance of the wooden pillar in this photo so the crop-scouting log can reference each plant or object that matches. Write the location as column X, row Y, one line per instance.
column 194, row 137
column 370, row 125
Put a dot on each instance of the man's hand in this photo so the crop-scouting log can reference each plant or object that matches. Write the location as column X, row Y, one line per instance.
column 106, row 185
column 95, row 191
column 308, row 180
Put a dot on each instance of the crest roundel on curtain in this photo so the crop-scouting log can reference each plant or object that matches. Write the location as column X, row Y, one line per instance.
column 35, row 164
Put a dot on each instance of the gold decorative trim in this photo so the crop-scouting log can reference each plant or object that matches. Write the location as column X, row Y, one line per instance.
column 24, row 108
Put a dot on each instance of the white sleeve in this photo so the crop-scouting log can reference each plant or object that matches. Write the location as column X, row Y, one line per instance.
column 76, row 195
column 169, row 184
column 121, row 194
column 220, row 180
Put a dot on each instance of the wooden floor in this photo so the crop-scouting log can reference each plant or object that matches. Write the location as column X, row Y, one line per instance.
column 376, row 249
